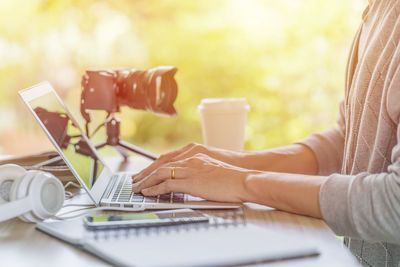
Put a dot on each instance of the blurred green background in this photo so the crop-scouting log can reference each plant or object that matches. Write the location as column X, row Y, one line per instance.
column 287, row 57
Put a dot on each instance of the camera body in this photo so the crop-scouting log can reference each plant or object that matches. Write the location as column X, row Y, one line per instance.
column 153, row 90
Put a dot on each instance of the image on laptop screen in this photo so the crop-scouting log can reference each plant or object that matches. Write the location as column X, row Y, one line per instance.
column 68, row 137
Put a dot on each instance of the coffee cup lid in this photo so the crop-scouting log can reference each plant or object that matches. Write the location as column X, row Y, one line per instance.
column 223, row 105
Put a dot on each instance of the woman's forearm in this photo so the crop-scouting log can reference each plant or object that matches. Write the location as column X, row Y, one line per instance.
column 295, row 158
column 294, row 193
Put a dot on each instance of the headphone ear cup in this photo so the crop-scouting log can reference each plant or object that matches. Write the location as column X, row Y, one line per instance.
column 47, row 196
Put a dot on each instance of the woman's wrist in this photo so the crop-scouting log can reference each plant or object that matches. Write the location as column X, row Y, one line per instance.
column 248, row 194
column 235, row 158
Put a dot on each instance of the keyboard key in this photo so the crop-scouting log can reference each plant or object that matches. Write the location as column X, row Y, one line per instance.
column 150, row 199
column 124, row 197
column 137, row 198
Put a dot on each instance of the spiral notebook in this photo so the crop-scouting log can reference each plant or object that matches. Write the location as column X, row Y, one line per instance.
column 225, row 240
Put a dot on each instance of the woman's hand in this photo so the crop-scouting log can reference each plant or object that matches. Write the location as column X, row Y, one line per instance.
column 186, row 152
column 198, row 175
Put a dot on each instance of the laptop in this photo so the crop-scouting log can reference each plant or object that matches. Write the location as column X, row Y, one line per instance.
column 104, row 187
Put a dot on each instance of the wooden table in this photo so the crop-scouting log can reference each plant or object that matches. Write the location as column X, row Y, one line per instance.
column 22, row 245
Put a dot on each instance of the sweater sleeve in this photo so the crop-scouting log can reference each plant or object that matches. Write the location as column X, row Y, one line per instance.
column 365, row 206
column 328, row 146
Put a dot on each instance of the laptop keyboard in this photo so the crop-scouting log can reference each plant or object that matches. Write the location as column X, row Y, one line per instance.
column 123, row 193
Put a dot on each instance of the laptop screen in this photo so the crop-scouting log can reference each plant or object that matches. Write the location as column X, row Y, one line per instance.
column 68, row 136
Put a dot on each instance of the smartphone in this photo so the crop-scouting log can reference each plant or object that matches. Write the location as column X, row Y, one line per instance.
column 149, row 219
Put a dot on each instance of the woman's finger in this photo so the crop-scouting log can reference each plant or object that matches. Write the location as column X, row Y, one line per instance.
column 167, row 186
column 162, row 160
column 158, row 176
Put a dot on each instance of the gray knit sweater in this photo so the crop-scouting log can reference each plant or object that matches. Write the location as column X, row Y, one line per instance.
column 361, row 198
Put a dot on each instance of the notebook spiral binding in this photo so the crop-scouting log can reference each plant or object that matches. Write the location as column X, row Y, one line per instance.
column 217, row 220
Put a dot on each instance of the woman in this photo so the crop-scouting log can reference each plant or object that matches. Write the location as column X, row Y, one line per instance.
column 348, row 175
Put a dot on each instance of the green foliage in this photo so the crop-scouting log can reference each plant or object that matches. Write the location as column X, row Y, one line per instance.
column 287, row 57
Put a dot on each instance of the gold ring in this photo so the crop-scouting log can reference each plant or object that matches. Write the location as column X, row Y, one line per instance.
column 172, row 173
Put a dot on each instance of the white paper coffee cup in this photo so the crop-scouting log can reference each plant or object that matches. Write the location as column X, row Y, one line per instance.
column 223, row 122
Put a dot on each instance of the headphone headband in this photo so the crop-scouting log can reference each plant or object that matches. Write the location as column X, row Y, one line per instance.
column 15, row 208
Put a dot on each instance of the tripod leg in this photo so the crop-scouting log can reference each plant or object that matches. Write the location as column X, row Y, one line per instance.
column 137, row 150
column 101, row 145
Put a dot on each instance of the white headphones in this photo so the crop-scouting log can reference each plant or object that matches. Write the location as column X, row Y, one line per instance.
column 31, row 195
